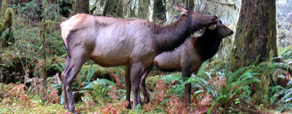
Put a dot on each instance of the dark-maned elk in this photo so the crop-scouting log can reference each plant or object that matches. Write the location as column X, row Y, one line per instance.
column 189, row 56
column 114, row 41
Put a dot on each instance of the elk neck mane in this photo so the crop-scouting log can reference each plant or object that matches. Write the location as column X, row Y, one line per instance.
column 168, row 37
column 207, row 44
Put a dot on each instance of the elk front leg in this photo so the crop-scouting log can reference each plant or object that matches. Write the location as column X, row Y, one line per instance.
column 186, row 73
column 136, row 72
column 128, row 85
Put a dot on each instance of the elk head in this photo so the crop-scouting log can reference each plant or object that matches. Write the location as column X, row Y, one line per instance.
column 198, row 20
column 221, row 29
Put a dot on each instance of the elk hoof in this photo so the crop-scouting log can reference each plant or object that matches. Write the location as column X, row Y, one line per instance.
column 129, row 106
column 73, row 111
column 147, row 100
column 65, row 107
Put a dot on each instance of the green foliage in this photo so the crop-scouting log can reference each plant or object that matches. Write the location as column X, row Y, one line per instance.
column 89, row 75
column 30, row 10
column 171, row 78
column 281, row 96
column 7, row 37
column 270, row 73
column 100, row 88
column 51, row 11
column 228, row 88
column 251, row 84
column 286, row 53
column 177, row 88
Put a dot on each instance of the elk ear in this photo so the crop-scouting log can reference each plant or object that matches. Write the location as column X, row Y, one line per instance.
column 212, row 27
column 182, row 10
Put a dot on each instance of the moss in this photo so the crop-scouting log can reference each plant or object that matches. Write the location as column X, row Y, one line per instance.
column 8, row 21
column 6, row 24
column 261, row 95
column 3, row 6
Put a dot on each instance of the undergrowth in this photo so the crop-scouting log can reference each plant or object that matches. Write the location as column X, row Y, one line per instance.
column 213, row 91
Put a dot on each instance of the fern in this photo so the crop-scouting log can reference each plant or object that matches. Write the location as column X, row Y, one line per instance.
column 286, row 53
column 228, row 87
column 100, row 88
column 171, row 78
column 17, row 90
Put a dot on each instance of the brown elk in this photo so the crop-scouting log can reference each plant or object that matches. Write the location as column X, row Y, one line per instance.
column 114, row 42
column 189, row 56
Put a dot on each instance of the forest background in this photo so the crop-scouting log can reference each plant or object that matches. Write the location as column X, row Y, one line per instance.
column 32, row 57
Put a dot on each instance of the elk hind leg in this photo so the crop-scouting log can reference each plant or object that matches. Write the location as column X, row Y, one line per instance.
column 63, row 76
column 186, row 73
column 73, row 70
column 136, row 72
column 146, row 71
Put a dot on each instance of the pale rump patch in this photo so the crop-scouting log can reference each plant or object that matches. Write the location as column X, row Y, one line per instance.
column 70, row 25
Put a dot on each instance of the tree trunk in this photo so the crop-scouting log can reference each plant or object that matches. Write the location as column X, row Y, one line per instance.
column 169, row 10
column 0, row 4
column 105, row 7
column 159, row 11
column 151, row 10
column 255, row 33
column 137, row 8
column 119, row 9
column 189, row 4
column 65, row 6
column 82, row 6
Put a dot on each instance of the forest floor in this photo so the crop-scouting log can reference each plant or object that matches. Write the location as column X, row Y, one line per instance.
column 17, row 98
column 165, row 98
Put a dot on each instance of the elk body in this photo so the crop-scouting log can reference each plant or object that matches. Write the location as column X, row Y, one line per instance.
column 114, row 42
column 188, row 57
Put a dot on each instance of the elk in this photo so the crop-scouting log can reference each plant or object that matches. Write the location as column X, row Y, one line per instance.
column 189, row 56
column 114, row 42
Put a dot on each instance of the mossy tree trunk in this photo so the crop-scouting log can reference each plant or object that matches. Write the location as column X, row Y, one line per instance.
column 6, row 24
column 255, row 33
column 82, row 6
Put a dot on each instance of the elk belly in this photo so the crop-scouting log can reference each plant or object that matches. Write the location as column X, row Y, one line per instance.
column 168, row 61
column 112, row 49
